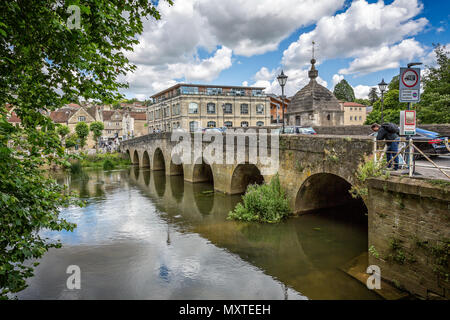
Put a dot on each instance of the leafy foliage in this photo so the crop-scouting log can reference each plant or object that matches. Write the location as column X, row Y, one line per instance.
column 45, row 65
column 63, row 131
column 373, row 96
column 71, row 141
column 263, row 203
column 82, row 130
column 434, row 106
column 344, row 91
column 97, row 129
column 391, row 109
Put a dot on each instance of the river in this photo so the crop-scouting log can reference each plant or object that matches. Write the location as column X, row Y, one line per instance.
column 143, row 235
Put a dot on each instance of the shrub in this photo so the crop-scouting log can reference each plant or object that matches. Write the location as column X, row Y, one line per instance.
column 108, row 165
column 262, row 203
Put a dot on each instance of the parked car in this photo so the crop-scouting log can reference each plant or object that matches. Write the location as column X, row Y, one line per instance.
column 429, row 142
column 299, row 130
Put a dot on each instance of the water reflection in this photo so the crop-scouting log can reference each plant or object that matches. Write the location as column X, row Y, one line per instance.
column 147, row 236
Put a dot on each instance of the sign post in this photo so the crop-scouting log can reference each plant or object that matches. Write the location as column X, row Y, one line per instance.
column 410, row 93
column 409, row 85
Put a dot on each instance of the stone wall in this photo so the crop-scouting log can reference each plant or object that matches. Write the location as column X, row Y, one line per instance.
column 409, row 232
column 443, row 129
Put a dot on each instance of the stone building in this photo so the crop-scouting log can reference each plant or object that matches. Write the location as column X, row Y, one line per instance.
column 354, row 113
column 315, row 105
column 192, row 107
column 72, row 114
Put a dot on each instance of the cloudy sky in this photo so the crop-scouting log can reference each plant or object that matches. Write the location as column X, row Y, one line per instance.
column 248, row 42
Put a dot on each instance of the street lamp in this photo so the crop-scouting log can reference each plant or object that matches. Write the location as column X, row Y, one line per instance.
column 223, row 115
column 383, row 86
column 282, row 79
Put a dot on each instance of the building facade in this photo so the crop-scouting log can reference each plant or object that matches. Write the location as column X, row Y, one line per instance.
column 276, row 108
column 315, row 105
column 354, row 113
column 192, row 107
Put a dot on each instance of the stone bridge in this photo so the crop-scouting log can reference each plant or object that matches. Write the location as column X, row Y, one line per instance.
column 316, row 171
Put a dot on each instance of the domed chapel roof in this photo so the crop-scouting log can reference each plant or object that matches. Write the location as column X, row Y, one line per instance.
column 314, row 96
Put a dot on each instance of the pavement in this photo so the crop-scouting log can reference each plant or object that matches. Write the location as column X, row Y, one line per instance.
column 430, row 173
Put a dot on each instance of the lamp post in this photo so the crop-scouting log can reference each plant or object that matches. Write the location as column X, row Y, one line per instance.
column 382, row 85
column 282, row 79
column 223, row 115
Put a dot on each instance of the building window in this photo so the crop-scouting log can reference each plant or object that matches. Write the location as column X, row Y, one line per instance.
column 244, row 108
column 244, row 124
column 260, row 109
column 360, row 118
column 81, row 119
column 211, row 124
column 193, row 108
column 328, row 117
column 351, row 118
column 189, row 90
column 213, row 91
column 228, row 124
column 228, row 108
column 257, row 93
column 351, row 109
column 260, row 123
column 211, row 108
column 193, row 126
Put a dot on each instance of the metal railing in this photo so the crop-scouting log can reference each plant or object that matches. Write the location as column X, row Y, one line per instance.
column 407, row 155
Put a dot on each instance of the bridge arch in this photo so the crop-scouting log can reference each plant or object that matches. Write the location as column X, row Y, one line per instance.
column 135, row 159
column 145, row 160
column 175, row 169
column 203, row 172
column 244, row 175
column 129, row 155
column 159, row 162
column 324, row 190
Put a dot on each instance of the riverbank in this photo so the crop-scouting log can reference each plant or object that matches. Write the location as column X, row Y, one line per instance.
column 105, row 161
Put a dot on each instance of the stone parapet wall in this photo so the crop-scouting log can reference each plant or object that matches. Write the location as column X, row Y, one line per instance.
column 443, row 129
column 409, row 233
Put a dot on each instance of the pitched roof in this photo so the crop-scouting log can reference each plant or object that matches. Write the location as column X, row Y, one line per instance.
column 62, row 115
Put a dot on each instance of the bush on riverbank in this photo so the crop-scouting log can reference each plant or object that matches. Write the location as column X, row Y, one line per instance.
column 106, row 161
column 265, row 203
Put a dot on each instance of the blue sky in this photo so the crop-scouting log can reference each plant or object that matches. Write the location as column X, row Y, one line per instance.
column 236, row 42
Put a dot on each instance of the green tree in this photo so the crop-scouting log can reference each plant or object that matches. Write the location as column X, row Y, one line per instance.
column 392, row 108
column 364, row 102
column 45, row 64
column 97, row 129
column 82, row 130
column 434, row 106
column 395, row 83
column 344, row 91
column 63, row 131
column 373, row 96
column 71, row 141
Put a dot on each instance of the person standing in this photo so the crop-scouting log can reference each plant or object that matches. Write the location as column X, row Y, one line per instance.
column 389, row 132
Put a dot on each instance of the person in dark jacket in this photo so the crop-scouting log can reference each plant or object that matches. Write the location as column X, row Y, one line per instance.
column 389, row 132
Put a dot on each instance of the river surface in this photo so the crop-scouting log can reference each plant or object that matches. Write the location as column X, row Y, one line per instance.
column 146, row 236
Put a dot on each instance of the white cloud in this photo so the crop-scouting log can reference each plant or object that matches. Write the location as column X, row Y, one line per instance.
column 440, row 29
column 385, row 58
column 336, row 79
column 362, row 92
column 297, row 79
column 359, row 31
column 168, row 48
